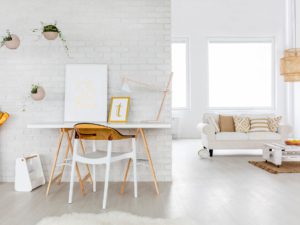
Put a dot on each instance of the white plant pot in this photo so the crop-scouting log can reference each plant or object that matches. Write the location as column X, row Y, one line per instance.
column 50, row 35
column 14, row 43
column 40, row 95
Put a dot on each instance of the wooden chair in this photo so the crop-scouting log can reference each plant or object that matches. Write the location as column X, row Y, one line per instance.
column 95, row 132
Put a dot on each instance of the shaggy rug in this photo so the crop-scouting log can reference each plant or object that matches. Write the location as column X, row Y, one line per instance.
column 286, row 167
column 110, row 218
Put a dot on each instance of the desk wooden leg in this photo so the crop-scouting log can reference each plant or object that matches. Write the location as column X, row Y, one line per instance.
column 55, row 161
column 125, row 176
column 88, row 176
column 68, row 149
column 66, row 156
column 127, row 168
column 150, row 160
column 76, row 166
column 146, row 146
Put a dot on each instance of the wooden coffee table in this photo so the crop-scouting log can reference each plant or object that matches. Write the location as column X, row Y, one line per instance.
column 277, row 153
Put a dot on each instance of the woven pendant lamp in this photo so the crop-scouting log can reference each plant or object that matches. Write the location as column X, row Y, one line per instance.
column 290, row 62
column 290, row 65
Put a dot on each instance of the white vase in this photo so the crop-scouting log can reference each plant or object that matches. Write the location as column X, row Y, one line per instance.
column 14, row 43
column 50, row 35
column 40, row 95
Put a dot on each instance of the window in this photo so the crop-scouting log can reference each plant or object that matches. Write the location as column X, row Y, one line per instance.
column 241, row 73
column 180, row 74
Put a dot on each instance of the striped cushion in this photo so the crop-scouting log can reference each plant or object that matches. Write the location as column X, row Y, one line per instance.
column 259, row 125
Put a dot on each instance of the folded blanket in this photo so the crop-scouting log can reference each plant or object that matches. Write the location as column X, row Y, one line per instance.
column 3, row 117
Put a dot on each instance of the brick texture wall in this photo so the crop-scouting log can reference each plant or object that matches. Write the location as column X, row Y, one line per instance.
column 131, row 36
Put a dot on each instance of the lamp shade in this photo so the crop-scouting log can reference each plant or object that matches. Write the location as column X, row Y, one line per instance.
column 125, row 86
column 290, row 65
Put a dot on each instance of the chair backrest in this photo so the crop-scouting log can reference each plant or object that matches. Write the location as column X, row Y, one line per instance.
column 91, row 131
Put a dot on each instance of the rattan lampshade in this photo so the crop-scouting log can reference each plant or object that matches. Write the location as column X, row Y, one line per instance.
column 290, row 65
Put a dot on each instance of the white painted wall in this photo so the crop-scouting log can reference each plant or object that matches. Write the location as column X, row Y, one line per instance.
column 131, row 36
column 199, row 20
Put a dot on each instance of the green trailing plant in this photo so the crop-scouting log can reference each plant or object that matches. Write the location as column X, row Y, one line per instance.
column 5, row 38
column 34, row 88
column 53, row 28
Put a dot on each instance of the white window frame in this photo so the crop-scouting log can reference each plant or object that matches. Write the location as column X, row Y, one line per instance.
column 186, row 41
column 270, row 39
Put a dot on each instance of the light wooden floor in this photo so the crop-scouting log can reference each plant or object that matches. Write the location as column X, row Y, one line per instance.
column 223, row 190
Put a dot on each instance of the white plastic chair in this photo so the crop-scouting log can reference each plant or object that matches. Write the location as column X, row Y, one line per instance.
column 95, row 132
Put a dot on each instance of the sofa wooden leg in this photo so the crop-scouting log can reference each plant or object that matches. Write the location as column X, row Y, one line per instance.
column 211, row 152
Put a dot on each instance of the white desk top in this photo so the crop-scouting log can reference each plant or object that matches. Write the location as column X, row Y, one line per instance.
column 129, row 125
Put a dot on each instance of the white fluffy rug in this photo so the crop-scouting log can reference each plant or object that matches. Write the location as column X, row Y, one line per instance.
column 110, row 218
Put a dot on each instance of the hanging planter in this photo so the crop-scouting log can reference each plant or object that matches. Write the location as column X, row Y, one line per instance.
column 51, row 32
column 11, row 41
column 50, row 35
column 37, row 92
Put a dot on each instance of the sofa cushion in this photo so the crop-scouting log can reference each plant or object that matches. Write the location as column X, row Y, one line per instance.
column 209, row 115
column 255, row 116
column 234, row 136
column 226, row 123
column 264, row 136
column 259, row 125
column 274, row 123
column 211, row 120
column 242, row 124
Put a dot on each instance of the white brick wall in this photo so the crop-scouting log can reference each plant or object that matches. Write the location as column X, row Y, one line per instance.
column 131, row 36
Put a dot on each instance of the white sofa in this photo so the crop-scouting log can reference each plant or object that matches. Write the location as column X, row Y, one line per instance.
column 236, row 140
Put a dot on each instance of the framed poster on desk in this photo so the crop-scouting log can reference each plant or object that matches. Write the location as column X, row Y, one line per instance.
column 86, row 93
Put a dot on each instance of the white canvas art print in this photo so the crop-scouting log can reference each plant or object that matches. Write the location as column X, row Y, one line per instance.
column 86, row 93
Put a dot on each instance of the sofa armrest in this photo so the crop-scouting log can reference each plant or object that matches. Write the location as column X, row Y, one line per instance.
column 207, row 130
column 285, row 131
column 208, row 135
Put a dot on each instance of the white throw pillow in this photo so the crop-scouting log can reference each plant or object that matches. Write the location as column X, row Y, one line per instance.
column 211, row 120
column 259, row 125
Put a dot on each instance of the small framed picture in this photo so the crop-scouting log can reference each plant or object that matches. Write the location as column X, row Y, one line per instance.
column 119, row 107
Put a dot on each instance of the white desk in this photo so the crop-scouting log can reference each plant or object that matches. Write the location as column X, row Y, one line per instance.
column 67, row 129
column 59, row 125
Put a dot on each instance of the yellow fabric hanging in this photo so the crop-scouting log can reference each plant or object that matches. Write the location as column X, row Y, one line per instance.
column 3, row 117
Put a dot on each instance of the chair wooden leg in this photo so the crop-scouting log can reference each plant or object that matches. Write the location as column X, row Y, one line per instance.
column 150, row 160
column 55, row 161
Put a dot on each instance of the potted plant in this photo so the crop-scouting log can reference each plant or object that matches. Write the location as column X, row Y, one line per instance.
column 37, row 92
column 11, row 41
column 51, row 32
